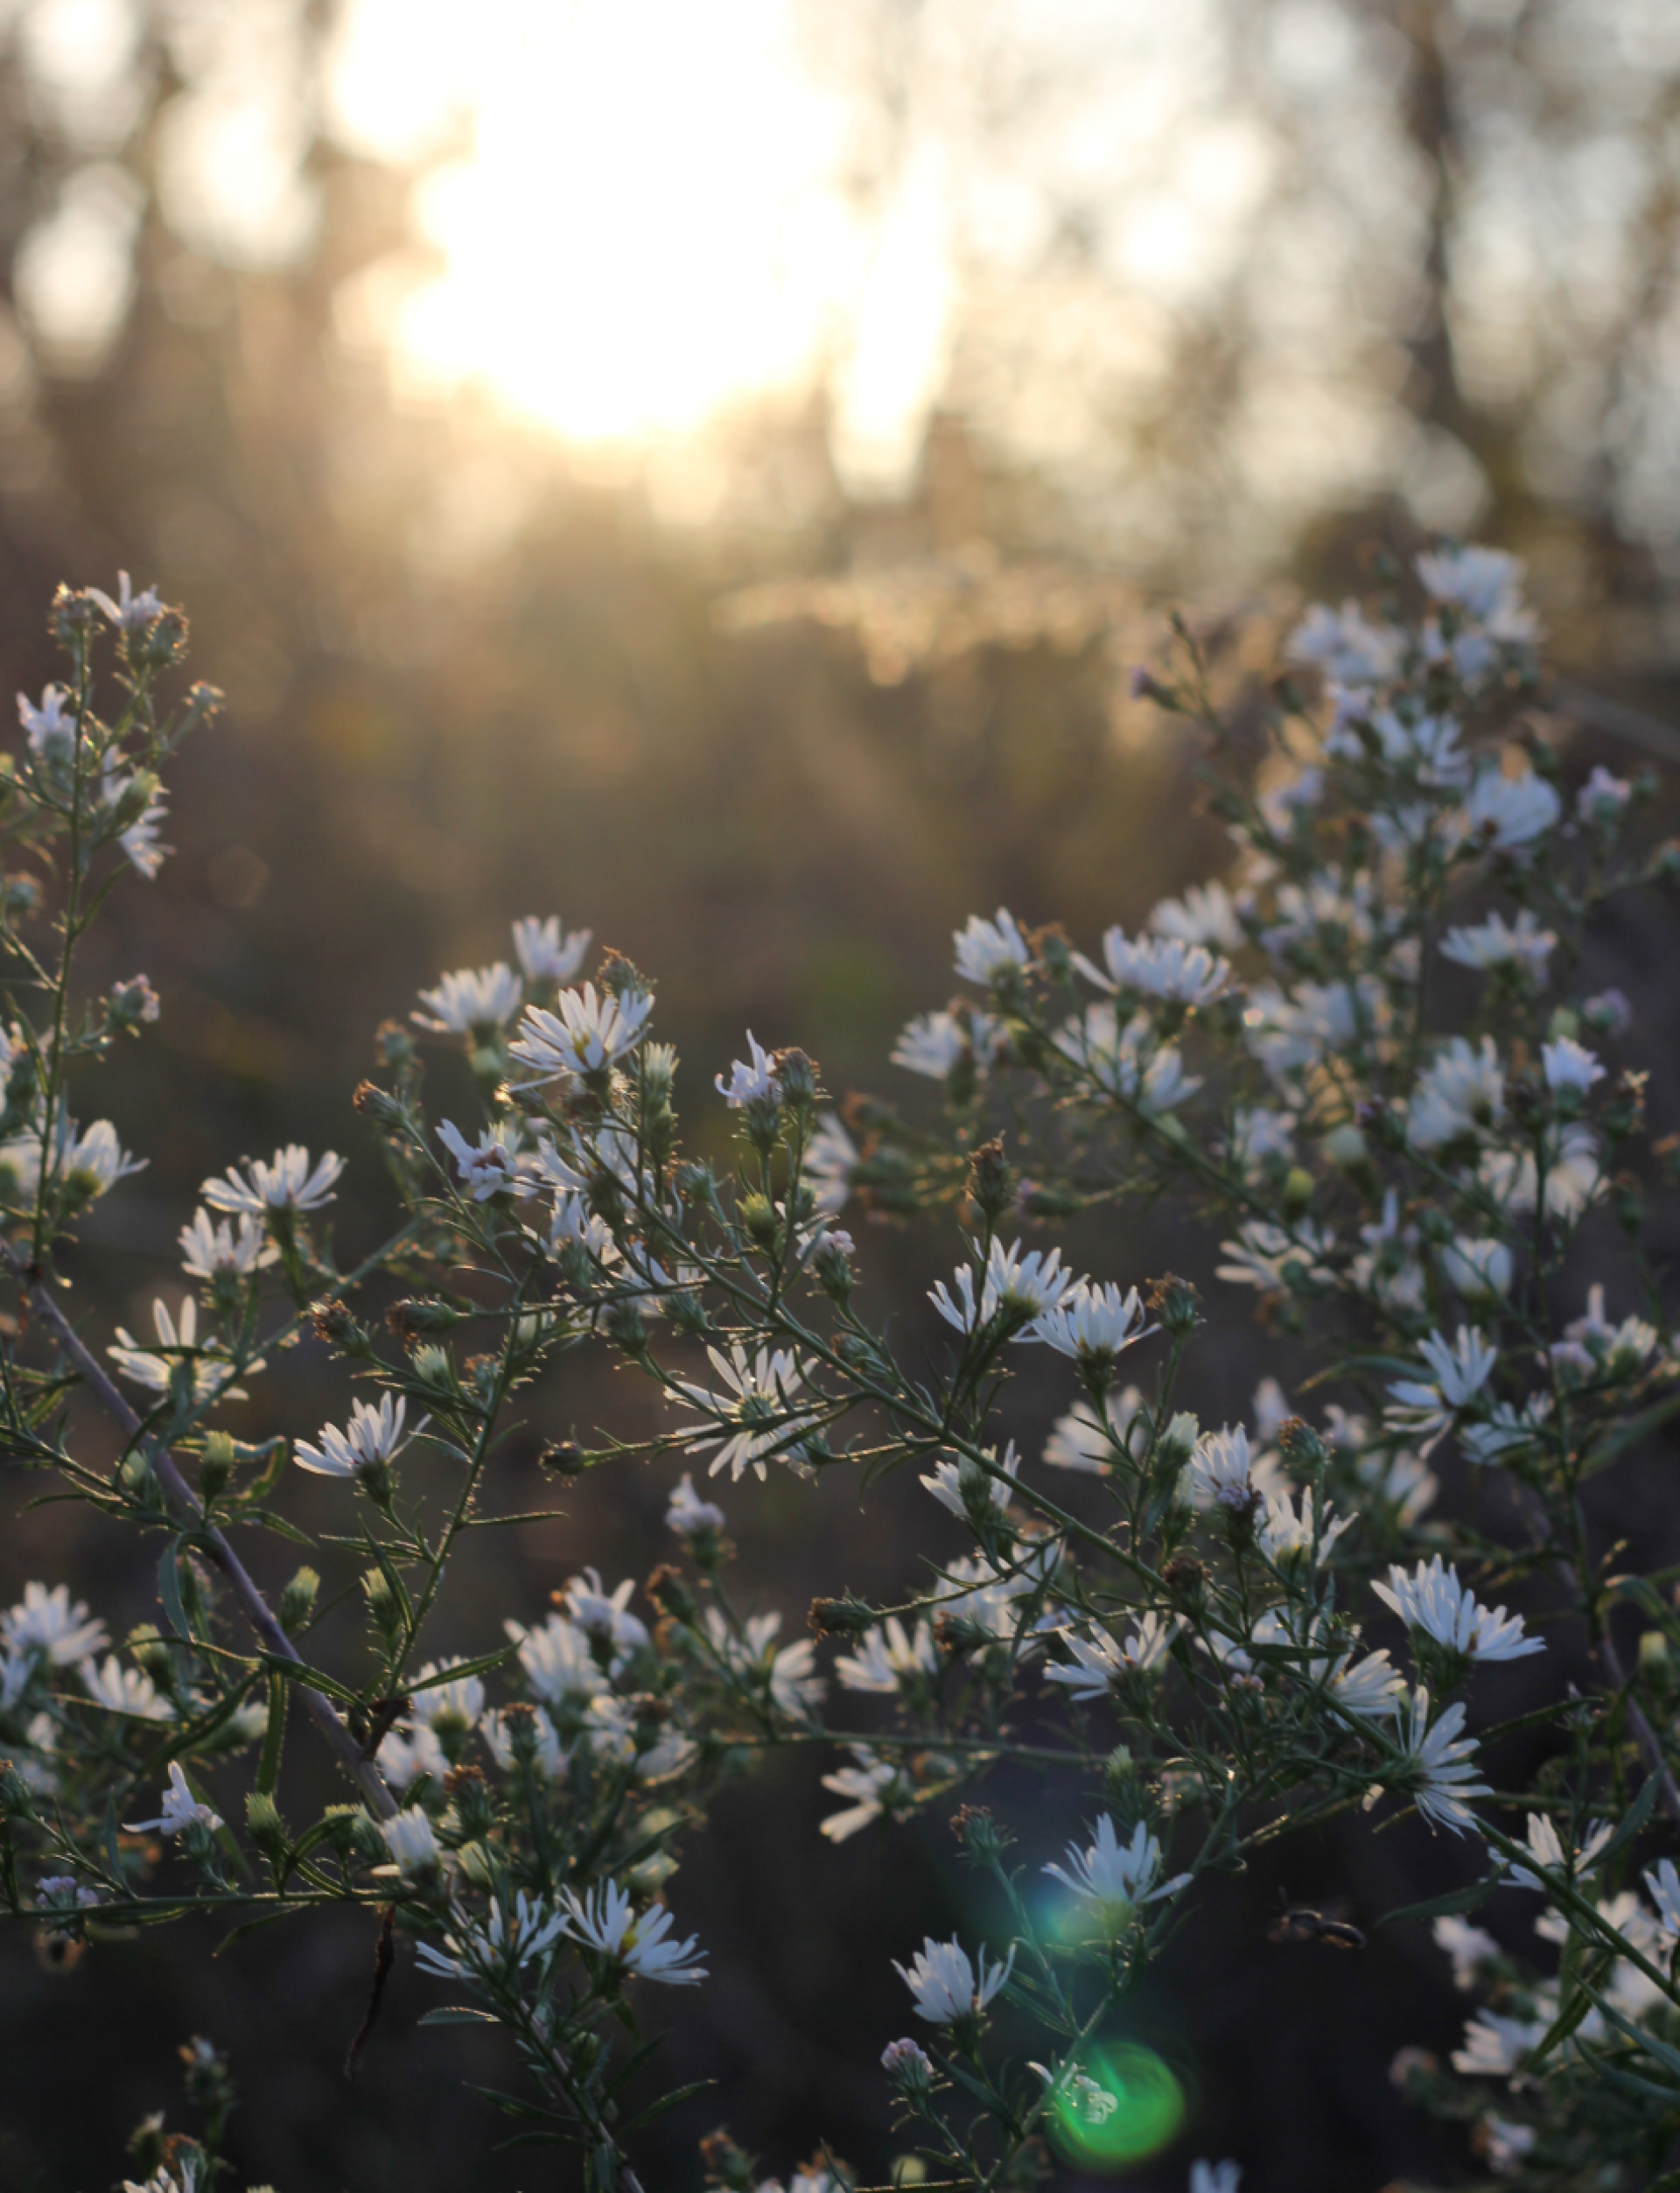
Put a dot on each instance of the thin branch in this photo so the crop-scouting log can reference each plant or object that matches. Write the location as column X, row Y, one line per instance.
column 362, row 1771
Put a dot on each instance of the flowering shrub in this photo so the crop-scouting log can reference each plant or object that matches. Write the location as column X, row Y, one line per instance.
column 1410, row 1167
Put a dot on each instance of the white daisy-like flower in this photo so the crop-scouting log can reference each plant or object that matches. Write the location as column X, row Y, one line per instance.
column 285, row 1182
column 1082, row 1441
column 1469, row 1947
column 209, row 1248
column 1094, row 1323
column 494, row 1164
column 831, row 1161
column 160, row 1370
column 1100, row 1662
column 1205, row 915
column 120, row 1690
column 557, row 1660
column 1115, row 1877
column 457, row 1705
column 1163, row 967
column 373, row 1436
column 884, row 1657
column 1508, row 814
column 599, row 1613
column 50, row 729
column 1215, row 2177
column 139, row 840
column 44, row 1622
column 946, row 1985
column 1495, row 942
column 750, row 1080
column 1430, row 1598
column 508, row 1940
column 402, row 1758
column 1022, row 1287
column 1440, row 1767
column 985, row 949
column 752, row 1420
column 1461, row 1092
column 1485, row 582
column 947, row 1480
column 1462, row 1368
column 1570, row 1067
column 1495, row 2046
column 130, row 612
column 933, row 1043
column 472, row 1001
column 1479, row 1270
column 181, row 1809
column 866, row 1783
column 587, row 1031
column 545, row 953
column 688, row 1514
column 413, row 1846
column 1550, row 1854
column 1221, row 1470
column 607, row 1922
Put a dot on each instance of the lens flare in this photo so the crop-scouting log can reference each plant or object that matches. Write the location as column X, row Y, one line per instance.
column 1123, row 2103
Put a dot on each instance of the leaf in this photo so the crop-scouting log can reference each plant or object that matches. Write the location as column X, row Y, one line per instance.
column 1437, row 1907
column 496, row 1522
column 113, row 1856
column 300, row 1671
column 1638, row 1814
column 666, row 2101
column 459, row 1669
column 1630, row 1435
column 267, row 1772
column 458, row 2015
column 169, row 1590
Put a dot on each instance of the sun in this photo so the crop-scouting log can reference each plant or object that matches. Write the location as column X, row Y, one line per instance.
column 649, row 228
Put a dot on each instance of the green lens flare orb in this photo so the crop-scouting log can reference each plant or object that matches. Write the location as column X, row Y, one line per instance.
column 1123, row 2103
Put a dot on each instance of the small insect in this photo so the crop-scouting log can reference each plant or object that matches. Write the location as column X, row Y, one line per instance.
column 1297, row 1926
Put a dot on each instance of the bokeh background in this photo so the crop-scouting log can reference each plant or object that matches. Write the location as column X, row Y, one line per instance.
column 706, row 471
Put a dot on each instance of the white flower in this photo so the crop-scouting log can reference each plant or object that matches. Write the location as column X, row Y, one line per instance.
column 1485, row 582
column 1286, row 1537
column 44, row 1622
column 1258, row 1134
column 753, row 1082
column 413, row 1846
column 1570, row 1066
column 551, row 1761
column 1115, row 1875
column 866, row 1784
column 139, row 840
column 1461, row 1370
column 209, row 1249
column 1546, row 1848
column 1022, row 1287
column 1496, row 943
column 1372, row 1687
column 1163, row 967
column 1440, row 1769
column 458, row 1704
column 492, row 1165
column 606, row 1921
column 1205, row 915
column 886, row 1655
column 1099, row 1663
column 161, row 1372
column 87, row 1164
column 1430, row 1598
column 181, row 1809
column 1506, row 814
column 1664, row 1882
column 1263, row 1256
column 935, row 1042
column 1505, row 2144
column 830, row 1161
column 599, row 1613
column 1462, row 1089
column 1574, row 1176
column 506, row 1942
column 1079, row 1441
column 688, row 1514
column 985, row 949
column 753, row 1420
column 944, row 1984
column 1349, row 649
column 1127, row 1061
column 1603, row 798
column 1469, row 1947
column 120, row 1690
column 1479, row 1270
column 948, row 1480
column 1495, row 2046
column 543, row 954
column 403, row 1759
column 130, row 612
column 1093, row 1323
column 558, row 1661
column 587, row 1031
column 1221, row 1470
column 1215, row 2177
column 285, row 1182
column 50, row 729
column 471, row 999
column 373, row 1436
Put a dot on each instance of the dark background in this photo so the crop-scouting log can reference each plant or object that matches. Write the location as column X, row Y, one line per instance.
column 776, row 759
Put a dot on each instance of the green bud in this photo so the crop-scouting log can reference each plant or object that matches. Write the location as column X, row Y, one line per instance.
column 298, row 1601
column 991, row 1181
column 215, row 1465
column 797, row 1076
column 626, row 1328
column 1176, row 1303
column 268, row 1830
column 759, row 1219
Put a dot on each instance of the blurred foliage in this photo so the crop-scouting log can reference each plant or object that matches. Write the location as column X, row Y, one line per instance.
column 775, row 761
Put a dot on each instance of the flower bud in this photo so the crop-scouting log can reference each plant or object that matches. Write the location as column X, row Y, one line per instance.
column 383, row 1608
column 334, row 1324
column 1301, row 1447
column 797, row 1077
column 759, row 1219
column 268, row 1830
column 298, row 1601
column 72, row 613
column 1176, row 1303
column 670, row 1594
column 16, row 1801
column 519, row 1726
column 472, row 1805
column 846, row 1617
column 625, row 1329
column 982, row 1839
column 909, row 2068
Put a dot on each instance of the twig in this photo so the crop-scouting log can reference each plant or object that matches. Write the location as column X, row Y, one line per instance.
column 384, row 1957
column 258, row 1613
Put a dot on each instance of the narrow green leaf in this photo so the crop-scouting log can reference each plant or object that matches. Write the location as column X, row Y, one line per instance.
column 300, row 1671
column 169, row 1590
column 458, row 2015
column 457, row 1670
column 267, row 1772
column 666, row 2101
column 1437, row 1907
column 1638, row 1813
